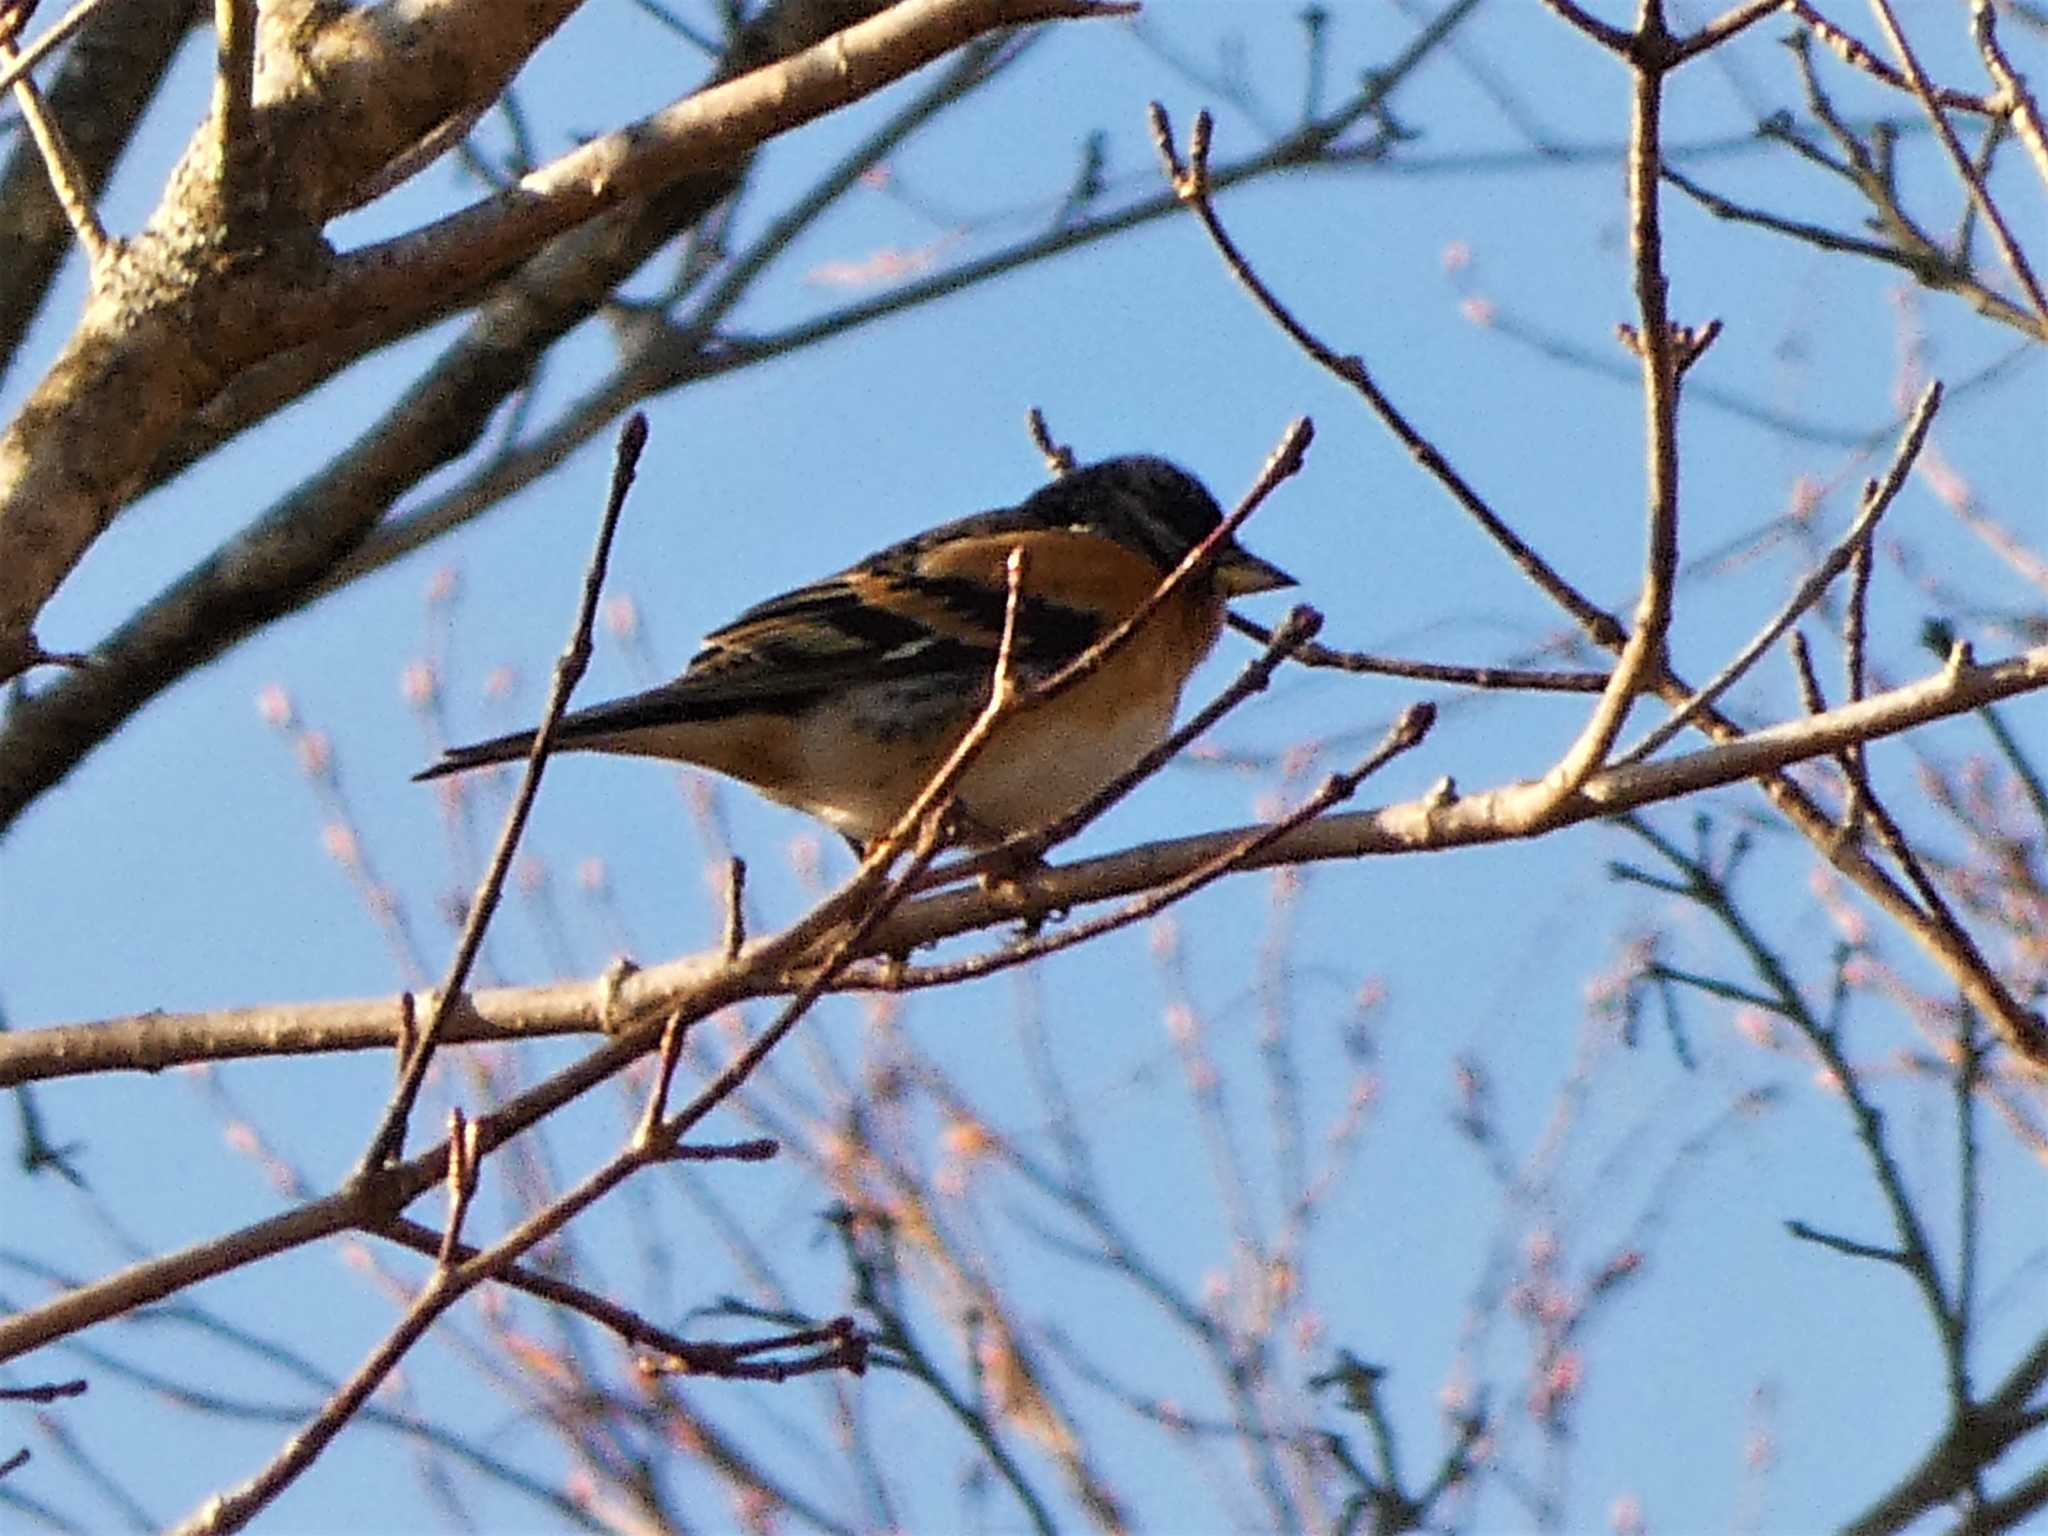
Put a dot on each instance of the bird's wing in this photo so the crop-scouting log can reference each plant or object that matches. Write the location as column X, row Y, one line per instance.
column 931, row 604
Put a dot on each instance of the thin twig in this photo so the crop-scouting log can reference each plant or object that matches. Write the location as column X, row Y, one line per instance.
column 664, row 1075
column 1614, row 39
column 464, row 1168
column 1969, row 1076
column 1855, row 632
column 2001, row 233
column 978, row 63
column 1406, row 733
column 1848, row 1247
column 1294, row 632
column 388, row 1141
column 735, row 938
column 15, row 68
column 1861, row 807
column 1817, row 235
column 1525, row 679
column 2022, row 111
column 1976, row 1435
column 1284, row 462
column 45, row 1392
column 1643, row 660
column 68, row 184
column 234, row 90
column 1192, row 186
column 234, row 1510
column 1877, row 497
column 1892, row 838
column 1810, row 698
column 921, row 815
column 1913, row 1251
column 844, row 1347
column 1059, row 458
column 1857, row 56
column 2031, row 782
column 1725, row 26
column 1869, row 169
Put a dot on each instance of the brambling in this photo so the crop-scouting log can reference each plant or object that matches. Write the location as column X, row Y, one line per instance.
column 843, row 697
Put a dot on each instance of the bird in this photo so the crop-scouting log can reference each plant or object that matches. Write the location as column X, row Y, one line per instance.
column 843, row 697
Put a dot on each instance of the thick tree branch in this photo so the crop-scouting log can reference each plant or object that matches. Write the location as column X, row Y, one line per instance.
column 152, row 1041
column 326, row 532
column 1665, row 353
column 292, row 549
column 179, row 323
column 109, row 75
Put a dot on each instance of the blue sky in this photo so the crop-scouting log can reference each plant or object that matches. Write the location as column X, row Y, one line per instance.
column 183, row 866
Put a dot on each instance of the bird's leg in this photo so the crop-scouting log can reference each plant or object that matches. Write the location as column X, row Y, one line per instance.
column 1009, row 867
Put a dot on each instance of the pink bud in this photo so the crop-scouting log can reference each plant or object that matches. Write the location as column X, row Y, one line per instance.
column 622, row 616
column 418, row 685
column 274, row 706
column 340, row 844
column 316, row 755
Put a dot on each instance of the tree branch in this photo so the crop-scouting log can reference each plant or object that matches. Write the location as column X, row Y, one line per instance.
column 130, row 375
column 153, row 1041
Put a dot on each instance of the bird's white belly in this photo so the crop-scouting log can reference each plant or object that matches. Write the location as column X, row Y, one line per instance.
column 1041, row 771
column 1034, row 770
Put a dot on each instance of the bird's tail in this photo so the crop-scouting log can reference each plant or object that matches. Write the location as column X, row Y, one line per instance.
column 499, row 749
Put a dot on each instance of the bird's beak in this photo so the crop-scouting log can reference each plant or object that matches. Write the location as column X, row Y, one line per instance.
column 1239, row 573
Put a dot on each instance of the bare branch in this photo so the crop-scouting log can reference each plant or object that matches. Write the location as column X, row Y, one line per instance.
column 1193, row 187
column 1725, row 26
column 234, row 92
column 702, row 983
column 2008, row 245
column 1524, row 679
column 107, row 77
column 388, row 1141
column 1059, row 458
column 1405, row 734
column 1857, row 56
column 2022, row 110
column 1643, row 660
column 464, row 1159
column 57, row 496
column 1876, row 500
column 1847, row 1247
column 1970, row 1443
column 45, row 1392
column 1613, row 39
column 19, row 66
column 735, row 908
column 67, row 183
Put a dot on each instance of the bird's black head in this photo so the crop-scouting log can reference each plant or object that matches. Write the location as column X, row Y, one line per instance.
column 1157, row 509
